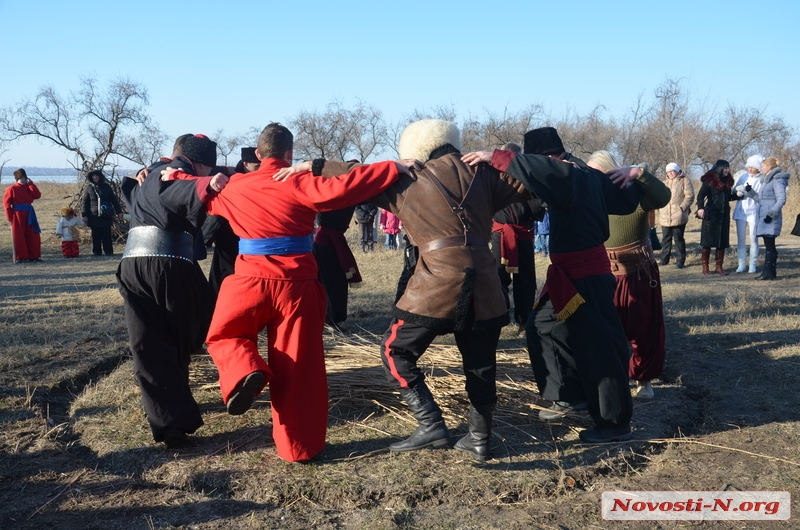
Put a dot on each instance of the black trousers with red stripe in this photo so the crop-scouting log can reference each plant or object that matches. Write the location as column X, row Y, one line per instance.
column 403, row 344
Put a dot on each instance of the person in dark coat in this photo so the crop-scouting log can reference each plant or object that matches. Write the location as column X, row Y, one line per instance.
column 713, row 207
column 365, row 217
column 512, row 247
column 166, row 296
column 99, row 208
column 337, row 265
column 576, row 342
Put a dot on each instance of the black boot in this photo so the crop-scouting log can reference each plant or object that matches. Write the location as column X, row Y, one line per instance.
column 770, row 262
column 476, row 442
column 431, row 431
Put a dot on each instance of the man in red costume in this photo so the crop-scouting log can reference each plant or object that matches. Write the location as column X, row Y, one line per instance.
column 18, row 204
column 275, row 286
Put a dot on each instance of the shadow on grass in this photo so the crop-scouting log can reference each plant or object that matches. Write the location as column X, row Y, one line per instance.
column 719, row 344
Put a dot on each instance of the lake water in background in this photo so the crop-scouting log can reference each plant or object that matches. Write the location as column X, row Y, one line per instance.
column 55, row 178
column 62, row 179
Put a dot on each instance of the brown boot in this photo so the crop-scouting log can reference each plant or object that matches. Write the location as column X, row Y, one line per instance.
column 719, row 257
column 704, row 256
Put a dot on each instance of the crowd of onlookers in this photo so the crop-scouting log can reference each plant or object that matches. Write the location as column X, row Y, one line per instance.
column 99, row 209
column 758, row 193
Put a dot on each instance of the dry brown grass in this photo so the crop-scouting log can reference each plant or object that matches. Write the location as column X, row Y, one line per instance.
column 75, row 442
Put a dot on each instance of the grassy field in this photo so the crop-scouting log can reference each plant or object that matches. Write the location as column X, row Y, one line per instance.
column 75, row 450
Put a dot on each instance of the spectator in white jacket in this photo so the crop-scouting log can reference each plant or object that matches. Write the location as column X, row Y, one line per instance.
column 745, row 212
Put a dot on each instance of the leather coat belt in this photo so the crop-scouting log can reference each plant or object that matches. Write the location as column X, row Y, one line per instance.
column 631, row 258
column 452, row 241
column 151, row 241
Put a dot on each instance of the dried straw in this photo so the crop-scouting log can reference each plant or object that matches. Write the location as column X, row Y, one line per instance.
column 357, row 383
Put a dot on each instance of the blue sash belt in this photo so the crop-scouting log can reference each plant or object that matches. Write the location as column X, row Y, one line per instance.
column 266, row 246
column 32, row 220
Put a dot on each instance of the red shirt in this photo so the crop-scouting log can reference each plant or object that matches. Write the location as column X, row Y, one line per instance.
column 19, row 194
column 256, row 206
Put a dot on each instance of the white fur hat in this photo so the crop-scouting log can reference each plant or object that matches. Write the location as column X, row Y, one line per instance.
column 672, row 166
column 754, row 161
column 420, row 138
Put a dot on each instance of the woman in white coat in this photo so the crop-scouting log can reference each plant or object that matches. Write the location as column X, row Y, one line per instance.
column 770, row 200
column 745, row 213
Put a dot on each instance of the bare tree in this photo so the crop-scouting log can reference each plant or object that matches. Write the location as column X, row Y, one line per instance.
column 368, row 134
column 145, row 147
column 394, row 130
column 497, row 129
column 583, row 135
column 226, row 145
column 92, row 124
column 629, row 142
column 742, row 131
column 339, row 133
column 3, row 162
column 673, row 127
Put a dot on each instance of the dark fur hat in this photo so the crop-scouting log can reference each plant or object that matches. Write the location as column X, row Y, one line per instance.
column 20, row 174
column 543, row 141
column 249, row 155
column 200, row 149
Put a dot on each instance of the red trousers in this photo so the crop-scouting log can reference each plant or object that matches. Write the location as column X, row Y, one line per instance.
column 637, row 298
column 69, row 249
column 25, row 242
column 293, row 312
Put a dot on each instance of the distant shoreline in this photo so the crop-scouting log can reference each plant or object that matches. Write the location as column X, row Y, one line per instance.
column 57, row 179
column 51, row 173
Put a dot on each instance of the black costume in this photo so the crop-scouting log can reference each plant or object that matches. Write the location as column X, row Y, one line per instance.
column 166, row 296
column 583, row 356
column 217, row 231
column 521, row 214
column 331, row 274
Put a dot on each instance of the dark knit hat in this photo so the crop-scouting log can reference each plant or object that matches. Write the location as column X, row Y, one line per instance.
column 200, row 149
column 20, row 174
column 249, row 155
column 543, row 141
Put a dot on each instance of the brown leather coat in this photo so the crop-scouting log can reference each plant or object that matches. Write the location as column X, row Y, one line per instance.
column 451, row 280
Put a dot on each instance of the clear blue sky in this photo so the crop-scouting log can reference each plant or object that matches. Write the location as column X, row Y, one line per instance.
column 239, row 64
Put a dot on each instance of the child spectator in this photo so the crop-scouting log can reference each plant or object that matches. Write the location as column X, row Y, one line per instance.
column 67, row 230
column 391, row 226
